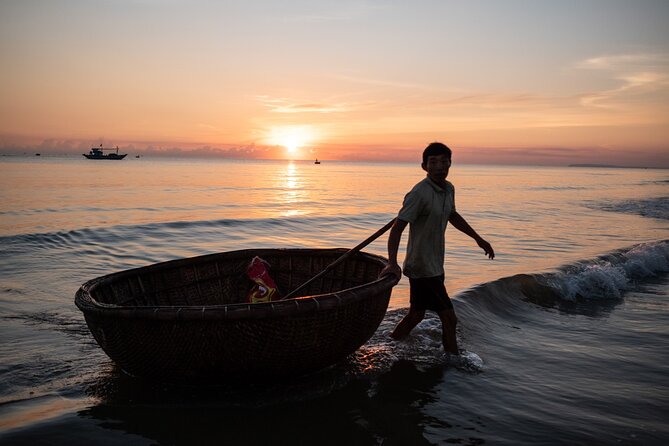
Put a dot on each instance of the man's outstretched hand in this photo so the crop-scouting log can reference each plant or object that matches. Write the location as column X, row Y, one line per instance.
column 486, row 247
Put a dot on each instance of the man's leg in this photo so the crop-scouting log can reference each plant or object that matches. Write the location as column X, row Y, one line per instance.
column 407, row 324
column 448, row 323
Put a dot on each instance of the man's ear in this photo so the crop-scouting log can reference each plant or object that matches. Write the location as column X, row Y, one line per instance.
column 423, row 166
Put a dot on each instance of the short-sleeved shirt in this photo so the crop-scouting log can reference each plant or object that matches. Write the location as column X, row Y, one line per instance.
column 427, row 208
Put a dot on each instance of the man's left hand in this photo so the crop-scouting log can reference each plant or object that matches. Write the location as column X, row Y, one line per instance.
column 486, row 247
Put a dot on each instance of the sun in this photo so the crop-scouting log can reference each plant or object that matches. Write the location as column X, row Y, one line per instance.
column 291, row 137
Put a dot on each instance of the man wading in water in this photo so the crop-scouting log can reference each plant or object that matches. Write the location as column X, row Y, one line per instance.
column 428, row 208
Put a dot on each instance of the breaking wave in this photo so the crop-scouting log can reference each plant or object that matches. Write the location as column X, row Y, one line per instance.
column 595, row 281
column 590, row 287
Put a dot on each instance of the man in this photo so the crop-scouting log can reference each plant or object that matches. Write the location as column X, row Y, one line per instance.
column 427, row 209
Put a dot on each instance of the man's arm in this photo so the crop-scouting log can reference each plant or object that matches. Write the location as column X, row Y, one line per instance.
column 393, row 246
column 461, row 224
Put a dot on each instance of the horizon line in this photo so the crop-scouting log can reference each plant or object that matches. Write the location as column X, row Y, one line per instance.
column 187, row 155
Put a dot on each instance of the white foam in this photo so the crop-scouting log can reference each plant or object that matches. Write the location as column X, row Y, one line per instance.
column 594, row 282
column 466, row 361
column 647, row 259
column 422, row 347
column 610, row 276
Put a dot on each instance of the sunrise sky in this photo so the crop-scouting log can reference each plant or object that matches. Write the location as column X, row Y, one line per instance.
column 528, row 82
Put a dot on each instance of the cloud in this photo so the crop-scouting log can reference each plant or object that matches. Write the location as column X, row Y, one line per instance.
column 393, row 84
column 560, row 156
column 206, row 126
column 498, row 100
column 638, row 74
column 282, row 105
column 633, row 83
column 624, row 61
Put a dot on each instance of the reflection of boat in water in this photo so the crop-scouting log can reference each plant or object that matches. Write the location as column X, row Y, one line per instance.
column 189, row 318
column 98, row 154
column 317, row 162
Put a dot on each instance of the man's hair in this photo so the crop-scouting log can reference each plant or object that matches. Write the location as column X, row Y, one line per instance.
column 436, row 149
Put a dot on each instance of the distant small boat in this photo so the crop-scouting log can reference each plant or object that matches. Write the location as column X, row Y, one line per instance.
column 317, row 162
column 38, row 154
column 137, row 156
column 97, row 154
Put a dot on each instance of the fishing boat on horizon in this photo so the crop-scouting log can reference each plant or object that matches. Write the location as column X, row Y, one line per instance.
column 98, row 154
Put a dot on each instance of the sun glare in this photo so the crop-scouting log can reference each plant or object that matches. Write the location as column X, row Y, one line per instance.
column 293, row 137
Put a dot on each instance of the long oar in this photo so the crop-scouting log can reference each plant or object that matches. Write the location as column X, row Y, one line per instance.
column 343, row 257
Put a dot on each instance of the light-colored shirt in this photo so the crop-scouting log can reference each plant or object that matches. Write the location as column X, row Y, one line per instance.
column 427, row 208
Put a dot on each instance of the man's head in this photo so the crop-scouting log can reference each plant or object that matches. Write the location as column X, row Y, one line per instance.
column 436, row 161
column 435, row 149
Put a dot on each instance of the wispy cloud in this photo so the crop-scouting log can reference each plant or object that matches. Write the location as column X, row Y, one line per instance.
column 206, row 126
column 486, row 100
column 625, row 61
column 639, row 73
column 394, row 84
column 284, row 105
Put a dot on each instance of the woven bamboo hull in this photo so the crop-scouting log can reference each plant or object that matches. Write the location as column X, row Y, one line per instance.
column 187, row 320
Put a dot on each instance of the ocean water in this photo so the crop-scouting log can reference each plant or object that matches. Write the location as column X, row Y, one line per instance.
column 566, row 330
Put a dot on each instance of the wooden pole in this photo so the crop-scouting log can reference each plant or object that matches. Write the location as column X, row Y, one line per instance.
column 343, row 257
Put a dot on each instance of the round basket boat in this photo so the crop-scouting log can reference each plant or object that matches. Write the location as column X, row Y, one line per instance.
column 187, row 319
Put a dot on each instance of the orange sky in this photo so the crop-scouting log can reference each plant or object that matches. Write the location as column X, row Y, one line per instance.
column 500, row 82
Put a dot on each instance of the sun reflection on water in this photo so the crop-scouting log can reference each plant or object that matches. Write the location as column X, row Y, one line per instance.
column 294, row 193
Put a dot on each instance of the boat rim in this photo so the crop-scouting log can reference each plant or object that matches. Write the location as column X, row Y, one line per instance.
column 261, row 310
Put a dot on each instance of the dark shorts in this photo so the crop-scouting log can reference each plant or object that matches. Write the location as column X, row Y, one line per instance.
column 429, row 293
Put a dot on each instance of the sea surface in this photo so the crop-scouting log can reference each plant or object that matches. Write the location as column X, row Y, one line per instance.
column 566, row 331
